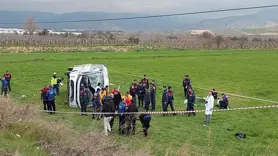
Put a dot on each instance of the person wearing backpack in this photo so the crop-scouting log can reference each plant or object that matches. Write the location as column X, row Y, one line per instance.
column 122, row 117
column 145, row 120
column 44, row 97
column 51, row 94
column 4, row 88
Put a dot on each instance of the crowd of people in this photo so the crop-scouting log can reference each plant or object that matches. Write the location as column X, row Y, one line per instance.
column 105, row 103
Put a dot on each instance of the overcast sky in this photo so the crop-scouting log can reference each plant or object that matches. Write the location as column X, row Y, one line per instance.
column 138, row 6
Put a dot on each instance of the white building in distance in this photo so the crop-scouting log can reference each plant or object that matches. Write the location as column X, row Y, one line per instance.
column 199, row 32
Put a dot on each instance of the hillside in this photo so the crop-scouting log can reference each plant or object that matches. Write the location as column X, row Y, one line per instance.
column 263, row 18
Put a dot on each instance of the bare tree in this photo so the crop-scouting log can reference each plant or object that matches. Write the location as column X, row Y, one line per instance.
column 218, row 40
column 206, row 37
column 30, row 26
column 242, row 41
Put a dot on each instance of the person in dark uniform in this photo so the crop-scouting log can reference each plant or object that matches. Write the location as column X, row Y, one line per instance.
column 145, row 81
column 131, row 119
column 152, row 93
column 84, row 99
column 140, row 93
column 191, row 101
column 186, row 83
column 223, row 104
column 170, row 98
column 145, row 120
column 133, row 90
column 164, row 98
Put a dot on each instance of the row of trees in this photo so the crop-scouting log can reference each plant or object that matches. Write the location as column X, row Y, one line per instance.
column 206, row 40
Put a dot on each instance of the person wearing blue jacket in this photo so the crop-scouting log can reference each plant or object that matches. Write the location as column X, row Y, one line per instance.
column 122, row 117
column 4, row 88
column 51, row 94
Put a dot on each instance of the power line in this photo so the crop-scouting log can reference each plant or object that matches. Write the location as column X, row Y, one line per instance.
column 154, row 16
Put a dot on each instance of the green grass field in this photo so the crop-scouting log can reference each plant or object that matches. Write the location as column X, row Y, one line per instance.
column 249, row 73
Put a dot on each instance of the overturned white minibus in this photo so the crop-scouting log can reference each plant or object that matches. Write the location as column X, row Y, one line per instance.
column 81, row 75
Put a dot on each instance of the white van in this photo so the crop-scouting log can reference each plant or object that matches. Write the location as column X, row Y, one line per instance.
column 86, row 74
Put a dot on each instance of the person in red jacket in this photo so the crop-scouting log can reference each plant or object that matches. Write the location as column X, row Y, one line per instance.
column 44, row 97
column 8, row 78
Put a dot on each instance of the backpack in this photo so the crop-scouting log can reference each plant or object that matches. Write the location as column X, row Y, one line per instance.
column 147, row 117
column 122, row 108
column 240, row 136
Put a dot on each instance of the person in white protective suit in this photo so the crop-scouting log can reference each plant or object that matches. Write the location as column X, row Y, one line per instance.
column 209, row 107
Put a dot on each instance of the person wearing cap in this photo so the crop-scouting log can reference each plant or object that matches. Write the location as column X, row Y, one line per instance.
column 164, row 98
column 170, row 100
column 140, row 94
column 8, row 78
column 152, row 95
column 145, row 81
column 4, row 88
column 133, row 90
column 131, row 119
column 223, row 104
column 209, row 107
column 54, row 83
column 191, row 101
column 97, row 104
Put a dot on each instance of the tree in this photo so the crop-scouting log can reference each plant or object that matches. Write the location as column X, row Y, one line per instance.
column 30, row 26
column 133, row 40
column 206, row 37
column 218, row 40
column 242, row 41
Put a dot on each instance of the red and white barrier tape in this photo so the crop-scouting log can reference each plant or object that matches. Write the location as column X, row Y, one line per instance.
column 169, row 112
